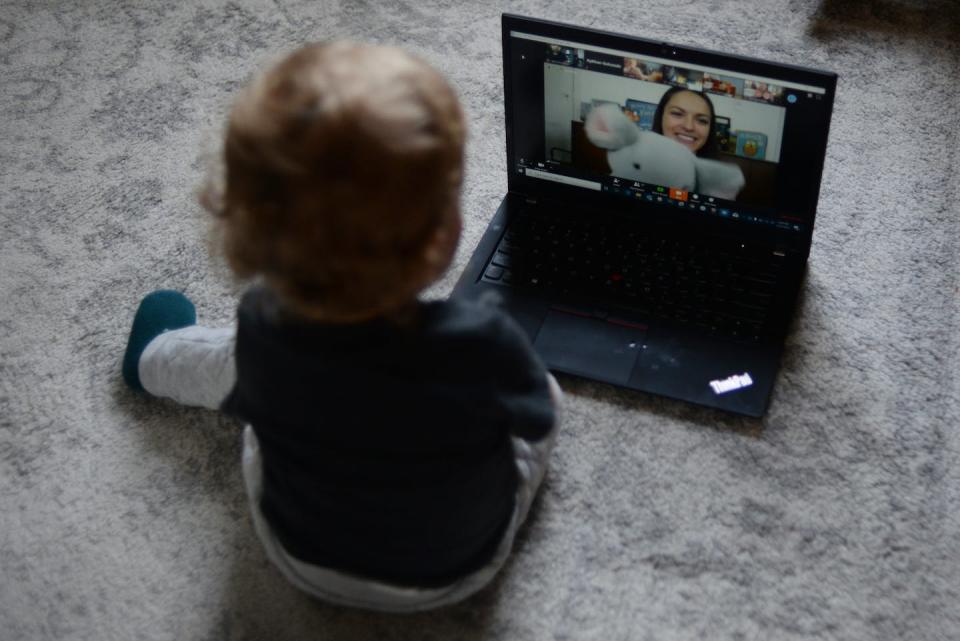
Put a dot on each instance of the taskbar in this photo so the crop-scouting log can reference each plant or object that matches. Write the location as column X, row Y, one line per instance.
column 671, row 196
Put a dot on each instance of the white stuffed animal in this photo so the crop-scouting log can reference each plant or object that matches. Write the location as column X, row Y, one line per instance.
column 651, row 158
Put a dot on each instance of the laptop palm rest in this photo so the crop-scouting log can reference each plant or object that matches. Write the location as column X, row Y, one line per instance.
column 597, row 348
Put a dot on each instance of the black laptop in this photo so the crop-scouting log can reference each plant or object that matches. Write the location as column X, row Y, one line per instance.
column 660, row 209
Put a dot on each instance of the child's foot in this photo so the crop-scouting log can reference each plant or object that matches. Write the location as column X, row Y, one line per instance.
column 159, row 311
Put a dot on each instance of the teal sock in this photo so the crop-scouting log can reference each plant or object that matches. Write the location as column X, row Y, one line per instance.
column 159, row 311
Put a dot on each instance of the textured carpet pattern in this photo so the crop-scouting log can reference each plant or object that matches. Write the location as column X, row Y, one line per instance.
column 836, row 517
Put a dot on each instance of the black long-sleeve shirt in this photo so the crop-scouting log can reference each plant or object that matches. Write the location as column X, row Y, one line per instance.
column 386, row 448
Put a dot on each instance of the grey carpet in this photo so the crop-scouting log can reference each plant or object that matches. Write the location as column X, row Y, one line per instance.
column 836, row 517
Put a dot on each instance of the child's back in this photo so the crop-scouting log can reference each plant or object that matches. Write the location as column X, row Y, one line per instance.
column 393, row 447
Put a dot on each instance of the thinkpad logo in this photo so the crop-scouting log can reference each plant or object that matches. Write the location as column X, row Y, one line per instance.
column 733, row 383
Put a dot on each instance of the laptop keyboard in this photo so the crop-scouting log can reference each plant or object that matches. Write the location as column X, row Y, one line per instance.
column 722, row 290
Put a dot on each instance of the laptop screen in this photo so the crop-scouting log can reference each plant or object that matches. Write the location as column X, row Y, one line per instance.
column 662, row 130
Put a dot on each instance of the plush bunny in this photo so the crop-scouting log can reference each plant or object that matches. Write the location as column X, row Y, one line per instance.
column 651, row 158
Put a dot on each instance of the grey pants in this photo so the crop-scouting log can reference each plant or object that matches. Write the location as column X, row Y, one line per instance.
column 195, row 366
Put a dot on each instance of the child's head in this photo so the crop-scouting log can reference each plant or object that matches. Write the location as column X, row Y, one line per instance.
column 343, row 171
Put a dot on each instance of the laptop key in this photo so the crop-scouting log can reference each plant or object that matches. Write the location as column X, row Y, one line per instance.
column 501, row 259
column 493, row 272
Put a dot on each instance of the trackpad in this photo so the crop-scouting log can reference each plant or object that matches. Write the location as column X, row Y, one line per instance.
column 589, row 347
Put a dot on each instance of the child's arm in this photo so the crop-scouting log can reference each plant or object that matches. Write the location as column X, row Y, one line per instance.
column 532, row 395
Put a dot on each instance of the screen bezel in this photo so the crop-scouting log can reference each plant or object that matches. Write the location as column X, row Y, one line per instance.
column 574, row 197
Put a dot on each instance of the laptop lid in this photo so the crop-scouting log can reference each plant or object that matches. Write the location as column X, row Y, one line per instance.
column 755, row 173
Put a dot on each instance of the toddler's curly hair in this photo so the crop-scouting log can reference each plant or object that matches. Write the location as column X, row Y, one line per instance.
column 341, row 163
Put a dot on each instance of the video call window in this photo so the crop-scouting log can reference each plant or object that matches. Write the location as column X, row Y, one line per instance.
column 689, row 129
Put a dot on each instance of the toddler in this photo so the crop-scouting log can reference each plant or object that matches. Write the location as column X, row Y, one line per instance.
column 392, row 447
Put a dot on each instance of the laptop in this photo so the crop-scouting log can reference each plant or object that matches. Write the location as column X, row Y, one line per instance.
column 660, row 209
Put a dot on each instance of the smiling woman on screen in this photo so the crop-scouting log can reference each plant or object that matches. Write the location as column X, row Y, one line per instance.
column 687, row 117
